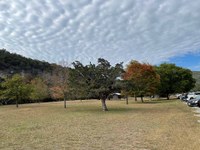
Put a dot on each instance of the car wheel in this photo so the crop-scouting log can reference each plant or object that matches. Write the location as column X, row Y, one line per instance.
column 198, row 104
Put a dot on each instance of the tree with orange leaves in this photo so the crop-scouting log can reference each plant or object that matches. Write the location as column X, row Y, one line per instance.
column 144, row 78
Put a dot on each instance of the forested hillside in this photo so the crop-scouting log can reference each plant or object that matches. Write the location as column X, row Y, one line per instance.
column 35, row 80
column 196, row 76
column 14, row 63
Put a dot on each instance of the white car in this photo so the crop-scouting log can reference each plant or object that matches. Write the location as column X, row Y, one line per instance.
column 192, row 95
column 178, row 96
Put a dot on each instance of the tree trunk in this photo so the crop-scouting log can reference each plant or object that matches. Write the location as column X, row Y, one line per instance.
column 135, row 97
column 104, row 107
column 167, row 96
column 142, row 99
column 65, row 104
column 17, row 103
column 126, row 99
column 198, row 104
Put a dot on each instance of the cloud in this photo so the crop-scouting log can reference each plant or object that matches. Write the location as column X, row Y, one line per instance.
column 149, row 31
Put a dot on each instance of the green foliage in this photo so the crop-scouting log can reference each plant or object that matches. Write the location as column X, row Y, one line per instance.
column 1, row 94
column 94, row 80
column 127, row 87
column 39, row 90
column 15, row 88
column 174, row 79
column 13, row 63
column 196, row 76
column 16, row 63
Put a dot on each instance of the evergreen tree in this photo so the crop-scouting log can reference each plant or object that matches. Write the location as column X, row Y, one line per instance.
column 95, row 80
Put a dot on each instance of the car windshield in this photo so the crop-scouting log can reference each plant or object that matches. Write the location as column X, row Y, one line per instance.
column 198, row 97
column 190, row 93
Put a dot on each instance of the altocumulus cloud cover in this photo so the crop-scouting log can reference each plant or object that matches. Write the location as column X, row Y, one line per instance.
column 150, row 31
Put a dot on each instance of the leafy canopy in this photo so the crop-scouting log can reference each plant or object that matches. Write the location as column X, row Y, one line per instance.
column 143, row 77
column 174, row 79
column 16, row 88
column 39, row 89
column 96, row 81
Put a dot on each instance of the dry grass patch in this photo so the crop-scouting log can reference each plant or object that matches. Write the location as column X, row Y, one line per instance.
column 152, row 125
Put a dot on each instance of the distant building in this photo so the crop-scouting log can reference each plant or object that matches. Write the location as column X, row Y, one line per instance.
column 116, row 96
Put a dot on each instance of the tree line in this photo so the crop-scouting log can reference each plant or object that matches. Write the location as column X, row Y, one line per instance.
column 96, row 81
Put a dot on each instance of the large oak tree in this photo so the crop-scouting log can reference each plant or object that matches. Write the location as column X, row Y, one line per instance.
column 95, row 80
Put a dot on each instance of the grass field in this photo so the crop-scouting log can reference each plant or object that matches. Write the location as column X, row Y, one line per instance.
column 154, row 125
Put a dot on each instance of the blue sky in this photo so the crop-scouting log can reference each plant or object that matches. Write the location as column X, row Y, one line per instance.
column 190, row 61
column 152, row 31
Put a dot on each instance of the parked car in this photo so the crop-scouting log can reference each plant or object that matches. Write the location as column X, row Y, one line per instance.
column 178, row 96
column 183, row 97
column 194, row 102
column 192, row 95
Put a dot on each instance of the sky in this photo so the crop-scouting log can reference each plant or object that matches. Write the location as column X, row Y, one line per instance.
column 150, row 31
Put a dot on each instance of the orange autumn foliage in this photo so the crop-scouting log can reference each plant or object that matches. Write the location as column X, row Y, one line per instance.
column 56, row 92
column 143, row 77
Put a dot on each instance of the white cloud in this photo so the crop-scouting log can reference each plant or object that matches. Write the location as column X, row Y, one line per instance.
column 149, row 31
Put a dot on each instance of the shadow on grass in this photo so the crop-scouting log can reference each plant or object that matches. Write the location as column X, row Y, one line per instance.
column 96, row 109
column 119, row 110
column 155, row 101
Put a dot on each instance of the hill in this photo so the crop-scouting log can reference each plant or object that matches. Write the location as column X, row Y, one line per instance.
column 196, row 75
column 13, row 63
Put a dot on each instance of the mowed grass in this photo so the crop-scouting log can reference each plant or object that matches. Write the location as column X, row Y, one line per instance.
column 154, row 125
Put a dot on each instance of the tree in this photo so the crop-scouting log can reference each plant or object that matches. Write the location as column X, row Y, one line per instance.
column 79, row 78
column 60, row 77
column 95, row 80
column 174, row 79
column 1, row 93
column 126, row 87
column 39, row 89
column 16, row 88
column 143, row 77
column 196, row 76
column 197, row 87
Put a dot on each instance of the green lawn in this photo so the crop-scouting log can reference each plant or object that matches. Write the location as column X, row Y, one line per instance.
column 161, row 125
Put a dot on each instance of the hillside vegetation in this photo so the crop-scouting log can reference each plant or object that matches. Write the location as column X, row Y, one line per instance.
column 196, row 76
column 14, row 63
column 26, row 80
